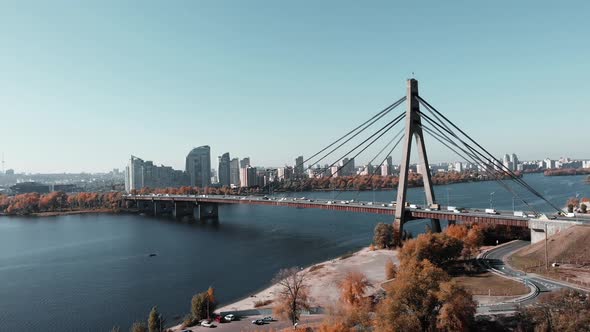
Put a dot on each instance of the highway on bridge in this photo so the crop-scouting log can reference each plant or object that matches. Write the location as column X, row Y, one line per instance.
column 388, row 208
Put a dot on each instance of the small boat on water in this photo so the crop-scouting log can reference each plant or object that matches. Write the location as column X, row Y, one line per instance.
column 153, row 255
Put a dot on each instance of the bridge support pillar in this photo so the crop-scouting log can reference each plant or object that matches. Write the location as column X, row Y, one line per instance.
column 157, row 208
column 413, row 130
column 145, row 206
column 208, row 211
column 183, row 209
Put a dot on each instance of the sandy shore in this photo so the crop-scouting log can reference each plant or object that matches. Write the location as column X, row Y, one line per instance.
column 323, row 279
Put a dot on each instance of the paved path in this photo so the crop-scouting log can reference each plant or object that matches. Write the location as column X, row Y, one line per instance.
column 495, row 260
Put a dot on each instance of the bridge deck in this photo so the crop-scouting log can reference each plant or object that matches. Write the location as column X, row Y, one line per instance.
column 503, row 218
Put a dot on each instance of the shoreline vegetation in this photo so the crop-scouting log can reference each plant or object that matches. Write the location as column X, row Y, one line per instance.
column 566, row 171
column 59, row 203
column 381, row 272
column 344, row 183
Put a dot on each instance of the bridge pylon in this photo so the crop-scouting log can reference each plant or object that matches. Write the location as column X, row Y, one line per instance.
column 413, row 129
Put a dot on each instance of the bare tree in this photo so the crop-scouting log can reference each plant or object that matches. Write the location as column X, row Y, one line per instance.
column 293, row 295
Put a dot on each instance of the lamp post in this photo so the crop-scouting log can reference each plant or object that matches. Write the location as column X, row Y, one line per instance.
column 448, row 199
column 513, row 209
column 492, row 199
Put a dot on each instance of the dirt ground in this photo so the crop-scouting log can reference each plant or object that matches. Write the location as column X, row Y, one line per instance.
column 570, row 249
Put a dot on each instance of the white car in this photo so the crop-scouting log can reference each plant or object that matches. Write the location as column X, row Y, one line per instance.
column 230, row 317
column 207, row 323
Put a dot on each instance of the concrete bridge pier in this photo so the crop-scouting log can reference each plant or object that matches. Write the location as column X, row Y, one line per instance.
column 183, row 209
column 164, row 207
column 146, row 207
column 208, row 211
column 435, row 225
column 539, row 227
column 128, row 204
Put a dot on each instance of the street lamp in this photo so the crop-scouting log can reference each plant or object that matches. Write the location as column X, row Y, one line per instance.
column 448, row 199
column 492, row 199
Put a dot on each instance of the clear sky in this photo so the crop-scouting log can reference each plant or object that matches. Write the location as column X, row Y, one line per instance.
column 85, row 84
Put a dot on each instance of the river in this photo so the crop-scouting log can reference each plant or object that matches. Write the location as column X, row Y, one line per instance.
column 90, row 272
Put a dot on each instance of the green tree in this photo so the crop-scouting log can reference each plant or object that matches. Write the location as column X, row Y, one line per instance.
column 584, row 208
column 154, row 320
column 199, row 306
column 383, row 235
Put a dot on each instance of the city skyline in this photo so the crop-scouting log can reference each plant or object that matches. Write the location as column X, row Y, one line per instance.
column 80, row 94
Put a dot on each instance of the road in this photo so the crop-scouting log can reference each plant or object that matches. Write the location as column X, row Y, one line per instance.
column 384, row 207
column 494, row 259
column 245, row 324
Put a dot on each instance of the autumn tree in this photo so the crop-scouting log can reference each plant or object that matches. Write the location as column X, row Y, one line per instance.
column 390, row 269
column 383, row 235
column 565, row 310
column 138, row 327
column 210, row 301
column 422, row 298
column 293, row 294
column 203, row 305
column 471, row 236
column 438, row 248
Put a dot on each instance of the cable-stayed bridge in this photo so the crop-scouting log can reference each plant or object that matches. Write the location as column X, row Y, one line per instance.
column 416, row 123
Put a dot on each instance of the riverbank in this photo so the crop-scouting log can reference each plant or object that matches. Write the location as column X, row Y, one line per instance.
column 64, row 213
column 324, row 278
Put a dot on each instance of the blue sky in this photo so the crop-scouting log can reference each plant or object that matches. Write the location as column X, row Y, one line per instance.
column 84, row 85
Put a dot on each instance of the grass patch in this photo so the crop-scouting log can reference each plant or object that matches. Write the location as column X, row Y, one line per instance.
column 490, row 284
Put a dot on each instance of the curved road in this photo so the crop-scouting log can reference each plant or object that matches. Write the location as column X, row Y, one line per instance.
column 494, row 259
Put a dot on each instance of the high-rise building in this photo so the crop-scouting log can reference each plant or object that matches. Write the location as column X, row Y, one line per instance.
column 284, row 173
column 198, row 166
column 140, row 174
column 514, row 160
column 224, row 171
column 245, row 162
column 133, row 174
column 248, row 177
column 549, row 164
column 346, row 167
column 298, row 169
column 507, row 162
column 234, row 172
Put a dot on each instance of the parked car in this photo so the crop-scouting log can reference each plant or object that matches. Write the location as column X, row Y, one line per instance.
column 230, row 317
column 268, row 319
column 207, row 323
column 258, row 322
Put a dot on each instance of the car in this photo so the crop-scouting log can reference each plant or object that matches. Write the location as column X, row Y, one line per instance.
column 370, row 203
column 258, row 322
column 207, row 323
column 230, row 317
column 268, row 319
